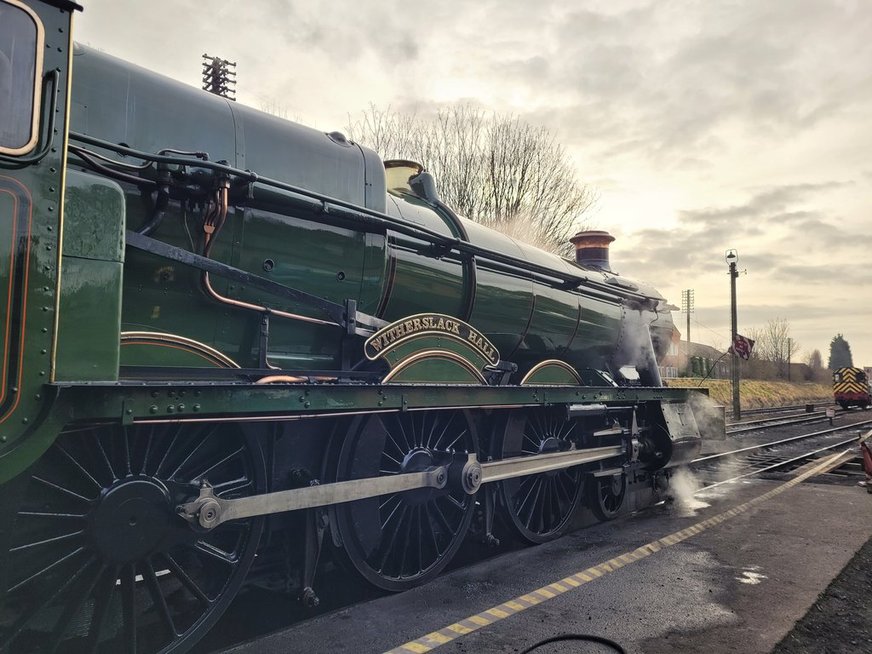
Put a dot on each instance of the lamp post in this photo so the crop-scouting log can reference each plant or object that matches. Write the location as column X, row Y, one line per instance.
column 732, row 258
column 687, row 307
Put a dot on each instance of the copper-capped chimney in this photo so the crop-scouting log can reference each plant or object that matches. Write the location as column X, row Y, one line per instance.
column 592, row 249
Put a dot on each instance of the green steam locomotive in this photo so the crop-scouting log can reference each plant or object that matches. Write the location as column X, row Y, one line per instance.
column 225, row 334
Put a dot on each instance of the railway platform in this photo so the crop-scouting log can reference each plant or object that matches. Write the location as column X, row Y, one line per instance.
column 732, row 571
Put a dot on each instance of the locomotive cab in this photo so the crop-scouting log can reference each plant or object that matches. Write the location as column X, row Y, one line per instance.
column 21, row 61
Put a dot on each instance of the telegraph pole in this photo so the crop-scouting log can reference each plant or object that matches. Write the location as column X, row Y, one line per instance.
column 219, row 76
column 732, row 258
column 687, row 307
column 789, row 348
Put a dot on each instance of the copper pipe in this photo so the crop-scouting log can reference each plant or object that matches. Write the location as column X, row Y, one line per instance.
column 292, row 379
column 280, row 379
column 221, row 211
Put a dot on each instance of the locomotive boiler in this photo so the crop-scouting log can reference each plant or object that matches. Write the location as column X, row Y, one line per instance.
column 234, row 346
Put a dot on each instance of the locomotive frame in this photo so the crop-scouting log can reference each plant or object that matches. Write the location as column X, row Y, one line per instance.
column 143, row 470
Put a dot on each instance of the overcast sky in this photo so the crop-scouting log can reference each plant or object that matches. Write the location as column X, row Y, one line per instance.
column 702, row 125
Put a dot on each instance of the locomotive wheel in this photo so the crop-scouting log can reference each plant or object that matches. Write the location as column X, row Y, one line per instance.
column 539, row 507
column 98, row 561
column 402, row 540
column 607, row 496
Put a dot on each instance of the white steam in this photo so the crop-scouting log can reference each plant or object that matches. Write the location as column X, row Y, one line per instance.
column 683, row 488
column 710, row 417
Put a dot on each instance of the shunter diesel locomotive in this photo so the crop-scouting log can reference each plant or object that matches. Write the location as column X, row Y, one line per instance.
column 851, row 388
column 227, row 335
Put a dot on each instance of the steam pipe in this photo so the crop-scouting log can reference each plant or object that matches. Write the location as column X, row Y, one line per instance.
column 211, row 228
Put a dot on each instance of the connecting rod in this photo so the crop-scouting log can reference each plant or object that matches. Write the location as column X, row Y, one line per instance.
column 208, row 510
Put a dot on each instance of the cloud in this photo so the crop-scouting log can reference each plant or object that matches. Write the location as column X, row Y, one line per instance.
column 708, row 125
column 785, row 232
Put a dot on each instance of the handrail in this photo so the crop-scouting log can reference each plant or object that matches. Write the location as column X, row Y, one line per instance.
column 312, row 201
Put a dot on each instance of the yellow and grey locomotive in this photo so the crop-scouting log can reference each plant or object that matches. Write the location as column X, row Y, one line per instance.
column 851, row 388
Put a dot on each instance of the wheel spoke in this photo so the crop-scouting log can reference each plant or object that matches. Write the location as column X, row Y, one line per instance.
column 126, row 441
column 227, row 458
column 232, row 486
column 104, row 458
column 539, row 506
column 47, row 541
column 530, row 482
column 393, row 539
column 393, row 511
column 74, row 606
column 441, row 516
column 442, row 434
column 420, row 538
column 62, row 489
column 157, row 598
column 167, row 452
column 459, row 436
column 215, row 553
column 103, row 598
column 144, row 467
column 417, row 538
column 34, row 610
column 78, row 466
column 410, row 444
column 407, row 532
column 455, row 502
column 92, row 518
column 202, row 439
column 186, row 580
column 46, row 569
column 435, row 541
column 396, row 445
column 51, row 514
column 128, row 606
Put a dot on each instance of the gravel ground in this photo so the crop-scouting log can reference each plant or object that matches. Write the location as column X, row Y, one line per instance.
column 841, row 618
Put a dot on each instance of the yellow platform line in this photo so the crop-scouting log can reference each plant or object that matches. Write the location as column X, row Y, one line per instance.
column 521, row 603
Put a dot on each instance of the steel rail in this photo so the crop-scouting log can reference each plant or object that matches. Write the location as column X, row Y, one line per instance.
column 756, row 425
column 779, row 442
column 780, row 464
column 772, row 409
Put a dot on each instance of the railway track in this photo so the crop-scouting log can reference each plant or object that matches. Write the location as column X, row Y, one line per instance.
column 779, row 421
column 775, row 409
column 782, row 455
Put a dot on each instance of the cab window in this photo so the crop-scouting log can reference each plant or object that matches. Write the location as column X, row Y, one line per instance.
column 20, row 73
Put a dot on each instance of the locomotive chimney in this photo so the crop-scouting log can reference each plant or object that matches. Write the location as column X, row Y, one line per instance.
column 592, row 249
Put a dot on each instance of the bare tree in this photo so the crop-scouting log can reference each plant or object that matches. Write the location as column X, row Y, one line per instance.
column 494, row 169
column 756, row 367
column 278, row 109
column 815, row 362
column 775, row 345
